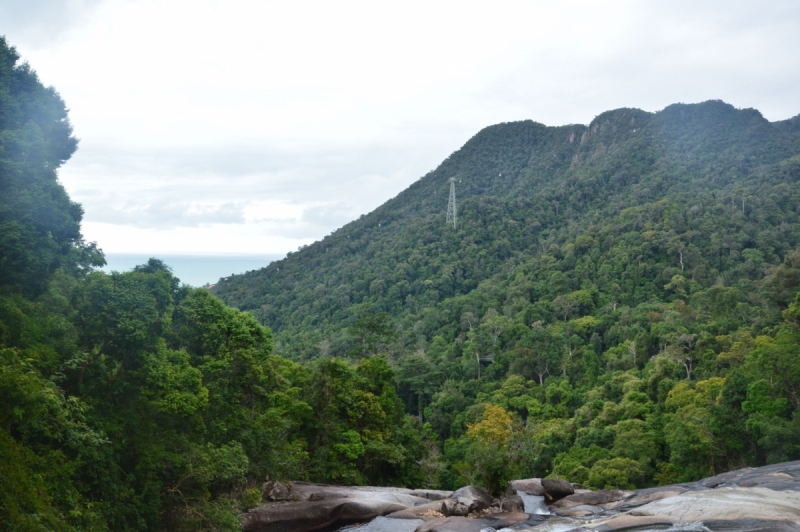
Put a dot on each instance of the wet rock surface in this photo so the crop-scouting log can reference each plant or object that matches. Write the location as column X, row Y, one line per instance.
column 751, row 499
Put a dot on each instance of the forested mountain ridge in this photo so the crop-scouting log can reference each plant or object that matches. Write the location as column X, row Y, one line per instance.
column 523, row 188
column 617, row 306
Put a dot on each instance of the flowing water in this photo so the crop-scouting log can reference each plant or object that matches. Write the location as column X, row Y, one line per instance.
column 534, row 504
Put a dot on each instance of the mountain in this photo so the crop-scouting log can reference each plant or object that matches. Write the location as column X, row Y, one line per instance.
column 704, row 181
column 618, row 304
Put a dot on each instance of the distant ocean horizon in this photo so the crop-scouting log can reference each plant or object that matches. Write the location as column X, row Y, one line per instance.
column 196, row 269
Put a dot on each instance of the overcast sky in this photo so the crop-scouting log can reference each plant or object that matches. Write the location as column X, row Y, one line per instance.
column 256, row 127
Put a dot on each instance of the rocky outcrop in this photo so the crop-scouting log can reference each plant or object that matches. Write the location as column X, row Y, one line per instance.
column 758, row 499
column 314, row 515
column 274, row 490
column 556, row 488
column 531, row 486
column 765, row 499
column 725, row 504
column 474, row 498
column 512, row 503
column 308, row 507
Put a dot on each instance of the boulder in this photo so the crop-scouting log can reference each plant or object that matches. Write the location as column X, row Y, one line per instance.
column 556, row 488
column 512, row 503
column 531, row 486
column 302, row 516
column 454, row 507
column 274, row 490
column 474, row 498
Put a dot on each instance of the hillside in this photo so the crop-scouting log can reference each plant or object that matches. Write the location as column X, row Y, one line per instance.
column 617, row 305
column 708, row 178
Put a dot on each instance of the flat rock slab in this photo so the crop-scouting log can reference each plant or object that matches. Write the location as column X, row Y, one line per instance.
column 726, row 504
column 466, row 524
column 592, row 498
column 629, row 523
column 779, row 477
column 642, row 497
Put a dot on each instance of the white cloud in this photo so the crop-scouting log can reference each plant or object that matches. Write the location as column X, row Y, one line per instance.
column 211, row 124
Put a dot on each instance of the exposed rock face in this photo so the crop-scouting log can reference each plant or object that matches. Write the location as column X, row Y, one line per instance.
column 512, row 503
column 727, row 504
column 556, row 488
column 765, row 499
column 753, row 499
column 473, row 498
column 531, row 486
column 317, row 506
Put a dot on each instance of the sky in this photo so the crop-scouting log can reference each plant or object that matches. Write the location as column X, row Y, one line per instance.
column 256, row 127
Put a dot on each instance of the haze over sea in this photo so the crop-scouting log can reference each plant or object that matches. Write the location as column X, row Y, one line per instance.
column 195, row 269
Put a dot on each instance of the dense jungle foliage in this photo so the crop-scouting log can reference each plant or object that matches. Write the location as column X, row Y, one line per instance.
column 131, row 402
column 616, row 306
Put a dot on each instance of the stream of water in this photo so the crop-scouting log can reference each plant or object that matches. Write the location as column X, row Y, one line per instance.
column 534, row 504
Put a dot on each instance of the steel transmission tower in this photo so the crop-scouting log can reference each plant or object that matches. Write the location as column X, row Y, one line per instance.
column 451, row 205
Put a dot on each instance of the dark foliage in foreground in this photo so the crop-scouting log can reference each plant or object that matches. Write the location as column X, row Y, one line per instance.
column 130, row 402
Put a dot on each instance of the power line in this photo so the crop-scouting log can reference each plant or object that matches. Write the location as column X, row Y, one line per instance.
column 451, row 205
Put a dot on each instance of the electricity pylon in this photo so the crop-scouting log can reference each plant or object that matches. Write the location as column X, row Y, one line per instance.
column 451, row 205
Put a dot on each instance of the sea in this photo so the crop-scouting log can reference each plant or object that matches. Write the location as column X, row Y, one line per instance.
column 198, row 269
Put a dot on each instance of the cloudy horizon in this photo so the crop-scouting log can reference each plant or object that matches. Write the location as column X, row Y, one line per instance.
column 249, row 127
